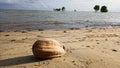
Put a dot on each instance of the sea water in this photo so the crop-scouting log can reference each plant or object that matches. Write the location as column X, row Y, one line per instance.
column 39, row 19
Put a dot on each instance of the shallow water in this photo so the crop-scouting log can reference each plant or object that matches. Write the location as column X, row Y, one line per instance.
column 34, row 19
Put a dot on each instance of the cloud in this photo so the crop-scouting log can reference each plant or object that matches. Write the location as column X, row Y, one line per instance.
column 82, row 5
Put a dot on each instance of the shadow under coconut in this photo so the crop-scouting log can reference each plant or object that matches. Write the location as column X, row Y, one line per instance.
column 20, row 60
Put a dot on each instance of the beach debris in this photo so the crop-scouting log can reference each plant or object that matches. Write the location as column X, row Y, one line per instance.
column 47, row 48
column 23, row 31
column 90, row 30
column 40, row 29
column 7, row 35
column 114, row 50
column 12, row 40
column 88, row 46
column 74, row 28
column 65, row 31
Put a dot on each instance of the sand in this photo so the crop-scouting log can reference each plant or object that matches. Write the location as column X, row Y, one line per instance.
column 85, row 48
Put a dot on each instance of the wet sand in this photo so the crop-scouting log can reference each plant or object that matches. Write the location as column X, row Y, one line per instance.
column 85, row 48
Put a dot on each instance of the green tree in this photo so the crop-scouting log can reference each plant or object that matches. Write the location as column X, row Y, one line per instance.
column 104, row 9
column 63, row 8
column 96, row 8
column 75, row 10
column 57, row 9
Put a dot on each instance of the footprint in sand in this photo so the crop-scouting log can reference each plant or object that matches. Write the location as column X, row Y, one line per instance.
column 73, row 62
column 97, row 43
column 77, row 64
column 88, row 46
column 89, row 62
column 24, row 38
column 36, row 65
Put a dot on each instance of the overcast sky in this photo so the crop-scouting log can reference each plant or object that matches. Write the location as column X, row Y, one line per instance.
column 81, row 5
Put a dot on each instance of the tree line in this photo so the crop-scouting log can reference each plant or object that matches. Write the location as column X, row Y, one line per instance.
column 96, row 8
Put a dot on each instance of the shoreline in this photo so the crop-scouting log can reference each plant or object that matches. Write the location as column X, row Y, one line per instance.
column 74, row 28
column 85, row 48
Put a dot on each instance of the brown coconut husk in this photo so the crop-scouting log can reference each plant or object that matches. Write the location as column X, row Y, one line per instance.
column 47, row 48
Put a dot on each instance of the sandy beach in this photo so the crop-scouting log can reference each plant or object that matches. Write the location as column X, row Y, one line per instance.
column 85, row 48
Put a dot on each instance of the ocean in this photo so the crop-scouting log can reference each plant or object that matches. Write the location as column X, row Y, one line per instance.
column 39, row 19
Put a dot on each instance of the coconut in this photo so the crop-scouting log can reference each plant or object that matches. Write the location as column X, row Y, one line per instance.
column 47, row 48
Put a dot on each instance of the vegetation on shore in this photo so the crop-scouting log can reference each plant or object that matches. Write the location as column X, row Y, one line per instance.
column 96, row 8
column 60, row 9
column 102, row 9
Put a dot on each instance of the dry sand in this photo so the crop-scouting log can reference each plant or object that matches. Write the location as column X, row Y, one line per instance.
column 86, row 48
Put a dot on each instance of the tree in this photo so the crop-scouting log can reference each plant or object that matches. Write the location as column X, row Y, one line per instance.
column 57, row 9
column 96, row 8
column 63, row 8
column 75, row 10
column 60, row 9
column 104, row 9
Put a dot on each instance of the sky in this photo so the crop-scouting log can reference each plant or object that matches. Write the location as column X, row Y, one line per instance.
column 80, row 5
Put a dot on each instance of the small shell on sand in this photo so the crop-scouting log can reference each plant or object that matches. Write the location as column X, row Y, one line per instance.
column 47, row 48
